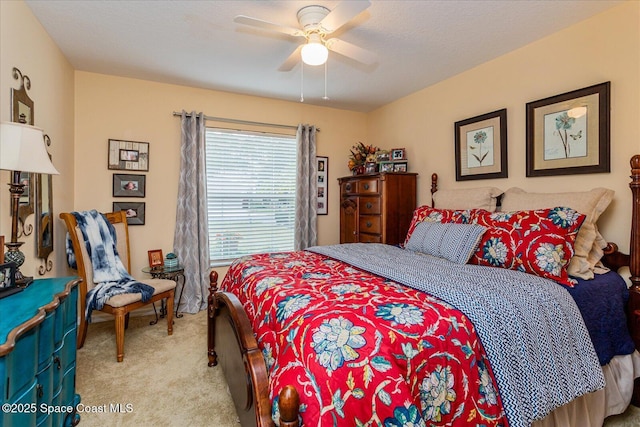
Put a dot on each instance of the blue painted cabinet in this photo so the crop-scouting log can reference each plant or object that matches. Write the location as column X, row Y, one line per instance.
column 38, row 354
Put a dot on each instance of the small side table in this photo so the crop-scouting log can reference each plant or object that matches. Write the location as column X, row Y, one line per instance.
column 172, row 273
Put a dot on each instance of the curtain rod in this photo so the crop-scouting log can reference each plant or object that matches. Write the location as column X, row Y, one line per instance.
column 243, row 122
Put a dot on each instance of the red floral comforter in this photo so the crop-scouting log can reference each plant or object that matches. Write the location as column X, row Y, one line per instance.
column 363, row 350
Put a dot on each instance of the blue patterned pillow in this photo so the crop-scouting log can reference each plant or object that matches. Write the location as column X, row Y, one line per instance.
column 455, row 242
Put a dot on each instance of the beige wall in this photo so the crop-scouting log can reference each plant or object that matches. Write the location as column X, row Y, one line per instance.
column 25, row 45
column 604, row 48
column 121, row 108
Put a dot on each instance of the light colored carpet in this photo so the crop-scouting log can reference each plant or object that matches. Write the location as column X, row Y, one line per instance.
column 166, row 380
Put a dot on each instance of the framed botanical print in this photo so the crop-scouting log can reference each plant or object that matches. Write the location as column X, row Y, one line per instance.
column 569, row 133
column 481, row 146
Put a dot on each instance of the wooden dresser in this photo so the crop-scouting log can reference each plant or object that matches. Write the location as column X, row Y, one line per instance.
column 38, row 354
column 376, row 208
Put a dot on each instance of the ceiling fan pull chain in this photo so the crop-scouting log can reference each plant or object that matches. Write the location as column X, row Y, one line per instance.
column 325, row 97
column 301, row 81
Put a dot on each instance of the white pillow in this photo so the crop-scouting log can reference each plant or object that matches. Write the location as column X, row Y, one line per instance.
column 471, row 198
column 589, row 243
column 455, row 242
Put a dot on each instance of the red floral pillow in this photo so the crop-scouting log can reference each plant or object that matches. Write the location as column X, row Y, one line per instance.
column 444, row 216
column 538, row 242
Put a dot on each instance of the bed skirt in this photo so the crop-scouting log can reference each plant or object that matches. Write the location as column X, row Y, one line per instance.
column 591, row 409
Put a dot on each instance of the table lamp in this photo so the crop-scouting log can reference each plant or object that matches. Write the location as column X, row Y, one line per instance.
column 22, row 149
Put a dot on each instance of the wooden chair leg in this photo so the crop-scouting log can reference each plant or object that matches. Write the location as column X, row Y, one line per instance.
column 170, row 314
column 126, row 321
column 120, row 320
column 82, row 333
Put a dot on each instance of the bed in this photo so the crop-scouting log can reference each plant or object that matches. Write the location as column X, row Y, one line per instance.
column 368, row 334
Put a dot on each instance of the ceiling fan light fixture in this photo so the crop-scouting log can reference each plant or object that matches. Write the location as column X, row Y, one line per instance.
column 314, row 52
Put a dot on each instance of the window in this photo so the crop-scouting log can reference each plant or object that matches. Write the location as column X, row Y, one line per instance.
column 251, row 185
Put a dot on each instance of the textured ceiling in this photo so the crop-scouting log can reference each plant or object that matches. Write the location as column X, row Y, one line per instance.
column 196, row 43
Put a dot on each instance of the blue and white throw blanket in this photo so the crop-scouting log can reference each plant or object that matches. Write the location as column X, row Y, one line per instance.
column 109, row 274
column 530, row 327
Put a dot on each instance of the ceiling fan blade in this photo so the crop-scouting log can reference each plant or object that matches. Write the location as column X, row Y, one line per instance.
column 351, row 51
column 292, row 60
column 344, row 12
column 254, row 22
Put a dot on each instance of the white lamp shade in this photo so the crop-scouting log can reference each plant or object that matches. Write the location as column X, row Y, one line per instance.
column 22, row 148
column 314, row 53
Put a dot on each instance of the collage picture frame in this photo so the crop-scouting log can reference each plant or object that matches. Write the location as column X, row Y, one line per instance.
column 128, row 155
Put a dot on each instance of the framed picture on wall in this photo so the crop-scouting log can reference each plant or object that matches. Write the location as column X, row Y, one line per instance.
column 569, row 133
column 323, row 177
column 481, row 146
column 125, row 185
column 135, row 211
column 128, row 155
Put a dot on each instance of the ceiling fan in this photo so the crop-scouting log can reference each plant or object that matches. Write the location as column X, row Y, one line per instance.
column 316, row 23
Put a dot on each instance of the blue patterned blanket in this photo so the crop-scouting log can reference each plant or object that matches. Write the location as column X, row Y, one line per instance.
column 109, row 274
column 531, row 329
column 602, row 302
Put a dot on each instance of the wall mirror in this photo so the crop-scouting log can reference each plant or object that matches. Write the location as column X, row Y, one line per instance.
column 22, row 112
column 44, row 217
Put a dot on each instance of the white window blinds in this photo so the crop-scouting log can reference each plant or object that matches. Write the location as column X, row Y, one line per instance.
column 251, row 184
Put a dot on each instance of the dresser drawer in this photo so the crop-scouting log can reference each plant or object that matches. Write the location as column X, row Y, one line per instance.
column 20, row 366
column 349, row 187
column 370, row 205
column 368, row 186
column 370, row 238
column 370, row 224
column 25, row 417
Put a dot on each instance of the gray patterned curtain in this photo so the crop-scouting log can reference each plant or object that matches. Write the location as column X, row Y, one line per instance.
column 191, row 238
column 307, row 188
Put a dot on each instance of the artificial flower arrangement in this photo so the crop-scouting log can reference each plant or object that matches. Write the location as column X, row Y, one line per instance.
column 361, row 154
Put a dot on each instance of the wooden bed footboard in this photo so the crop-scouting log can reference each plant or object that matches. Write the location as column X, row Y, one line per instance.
column 232, row 345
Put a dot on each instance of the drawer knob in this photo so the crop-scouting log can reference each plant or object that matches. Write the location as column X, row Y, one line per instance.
column 369, row 205
column 366, row 186
column 369, row 224
column 348, row 187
